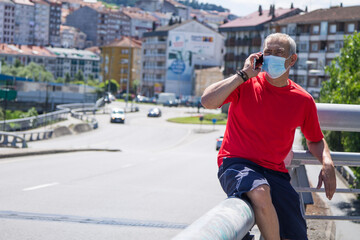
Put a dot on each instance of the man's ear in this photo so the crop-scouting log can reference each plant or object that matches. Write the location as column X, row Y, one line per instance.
column 293, row 59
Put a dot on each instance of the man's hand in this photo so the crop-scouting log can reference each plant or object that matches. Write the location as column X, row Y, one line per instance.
column 248, row 66
column 327, row 175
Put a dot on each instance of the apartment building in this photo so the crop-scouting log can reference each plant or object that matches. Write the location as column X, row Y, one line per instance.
column 319, row 36
column 140, row 21
column 245, row 35
column 55, row 22
column 106, row 24
column 42, row 20
column 72, row 61
column 122, row 61
column 171, row 53
column 72, row 37
column 24, row 22
column 7, row 21
column 27, row 54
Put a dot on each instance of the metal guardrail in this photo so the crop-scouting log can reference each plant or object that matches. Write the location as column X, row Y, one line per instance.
column 335, row 117
column 12, row 140
column 11, row 137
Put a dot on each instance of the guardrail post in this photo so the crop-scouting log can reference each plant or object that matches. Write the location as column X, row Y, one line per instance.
column 231, row 219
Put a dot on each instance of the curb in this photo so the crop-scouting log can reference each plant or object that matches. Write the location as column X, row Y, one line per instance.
column 30, row 152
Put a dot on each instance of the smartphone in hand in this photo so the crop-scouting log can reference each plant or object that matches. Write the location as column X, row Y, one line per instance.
column 258, row 62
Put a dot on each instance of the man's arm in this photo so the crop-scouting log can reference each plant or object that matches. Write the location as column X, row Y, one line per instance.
column 216, row 93
column 321, row 151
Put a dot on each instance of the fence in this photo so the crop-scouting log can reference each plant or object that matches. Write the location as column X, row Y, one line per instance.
column 19, row 139
column 221, row 222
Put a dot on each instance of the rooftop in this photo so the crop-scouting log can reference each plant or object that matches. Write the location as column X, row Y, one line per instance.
column 330, row 14
column 73, row 53
column 125, row 42
column 28, row 50
column 255, row 19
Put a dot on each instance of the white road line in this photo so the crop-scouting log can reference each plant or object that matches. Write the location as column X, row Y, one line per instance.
column 40, row 186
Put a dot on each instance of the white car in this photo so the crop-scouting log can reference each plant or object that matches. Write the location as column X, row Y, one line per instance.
column 117, row 115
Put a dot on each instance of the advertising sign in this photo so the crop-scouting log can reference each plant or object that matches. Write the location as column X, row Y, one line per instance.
column 181, row 52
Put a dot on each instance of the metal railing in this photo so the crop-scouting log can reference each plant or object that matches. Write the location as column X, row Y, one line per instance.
column 11, row 137
column 218, row 223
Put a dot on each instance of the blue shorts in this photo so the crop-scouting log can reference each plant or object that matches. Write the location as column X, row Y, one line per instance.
column 238, row 176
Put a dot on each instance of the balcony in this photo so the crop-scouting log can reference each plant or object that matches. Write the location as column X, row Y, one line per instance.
column 241, row 57
column 256, row 41
column 229, row 57
column 228, row 71
column 230, row 42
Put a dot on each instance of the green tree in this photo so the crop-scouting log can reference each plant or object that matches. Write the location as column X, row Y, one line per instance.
column 344, row 87
column 114, row 86
column 67, row 78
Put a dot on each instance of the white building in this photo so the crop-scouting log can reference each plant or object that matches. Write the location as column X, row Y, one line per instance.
column 24, row 22
column 72, row 37
column 7, row 21
column 140, row 21
column 171, row 53
column 319, row 36
column 72, row 61
column 42, row 19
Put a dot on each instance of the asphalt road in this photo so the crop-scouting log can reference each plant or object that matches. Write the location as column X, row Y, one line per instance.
column 163, row 179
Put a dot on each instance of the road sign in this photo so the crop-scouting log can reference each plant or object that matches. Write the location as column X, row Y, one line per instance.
column 8, row 94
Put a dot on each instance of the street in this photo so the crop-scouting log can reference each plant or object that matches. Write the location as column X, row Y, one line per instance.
column 163, row 179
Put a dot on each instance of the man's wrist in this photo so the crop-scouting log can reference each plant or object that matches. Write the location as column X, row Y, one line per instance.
column 243, row 75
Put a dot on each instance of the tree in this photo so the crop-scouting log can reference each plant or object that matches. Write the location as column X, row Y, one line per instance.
column 344, row 87
column 67, row 78
column 114, row 86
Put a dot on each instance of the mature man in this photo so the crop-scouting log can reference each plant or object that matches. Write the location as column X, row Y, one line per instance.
column 265, row 110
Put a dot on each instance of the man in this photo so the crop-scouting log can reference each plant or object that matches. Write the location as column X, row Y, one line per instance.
column 265, row 110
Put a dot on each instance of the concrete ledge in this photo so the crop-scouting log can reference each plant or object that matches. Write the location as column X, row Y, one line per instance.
column 81, row 127
column 9, row 153
column 61, row 131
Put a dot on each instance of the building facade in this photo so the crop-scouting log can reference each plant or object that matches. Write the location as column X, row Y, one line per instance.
column 24, row 22
column 42, row 20
column 54, row 23
column 72, row 37
column 7, row 21
column 27, row 54
column 140, row 21
column 245, row 35
column 319, row 36
column 71, row 61
column 122, row 61
column 171, row 53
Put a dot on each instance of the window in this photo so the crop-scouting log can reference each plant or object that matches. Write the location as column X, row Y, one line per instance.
column 351, row 27
column 316, row 29
column 303, row 47
column 314, row 47
column 332, row 28
column 313, row 82
column 331, row 47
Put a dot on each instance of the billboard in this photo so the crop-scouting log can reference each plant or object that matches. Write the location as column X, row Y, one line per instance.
column 182, row 50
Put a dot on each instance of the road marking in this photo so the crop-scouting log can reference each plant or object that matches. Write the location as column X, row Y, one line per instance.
column 90, row 220
column 40, row 186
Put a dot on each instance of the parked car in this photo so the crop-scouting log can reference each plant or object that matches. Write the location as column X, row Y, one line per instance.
column 171, row 103
column 117, row 115
column 154, row 112
column 219, row 142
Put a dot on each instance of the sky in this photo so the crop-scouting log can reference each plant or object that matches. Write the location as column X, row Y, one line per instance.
column 245, row 7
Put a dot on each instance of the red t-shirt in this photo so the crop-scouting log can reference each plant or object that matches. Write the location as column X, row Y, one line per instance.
column 262, row 121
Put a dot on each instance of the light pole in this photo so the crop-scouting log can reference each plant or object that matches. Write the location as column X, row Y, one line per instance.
column 128, row 78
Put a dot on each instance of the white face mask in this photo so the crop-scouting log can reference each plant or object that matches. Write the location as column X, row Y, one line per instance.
column 274, row 66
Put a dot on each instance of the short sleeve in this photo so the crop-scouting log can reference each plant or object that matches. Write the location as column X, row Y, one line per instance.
column 311, row 126
column 233, row 97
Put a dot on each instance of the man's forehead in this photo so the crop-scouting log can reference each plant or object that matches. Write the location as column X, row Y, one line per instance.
column 273, row 43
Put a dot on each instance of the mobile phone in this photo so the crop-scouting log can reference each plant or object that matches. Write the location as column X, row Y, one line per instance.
column 258, row 62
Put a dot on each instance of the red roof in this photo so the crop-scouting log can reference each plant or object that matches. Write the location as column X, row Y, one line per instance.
column 125, row 42
column 24, row 50
column 255, row 19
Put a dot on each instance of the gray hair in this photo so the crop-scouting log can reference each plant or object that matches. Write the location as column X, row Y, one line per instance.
column 291, row 41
